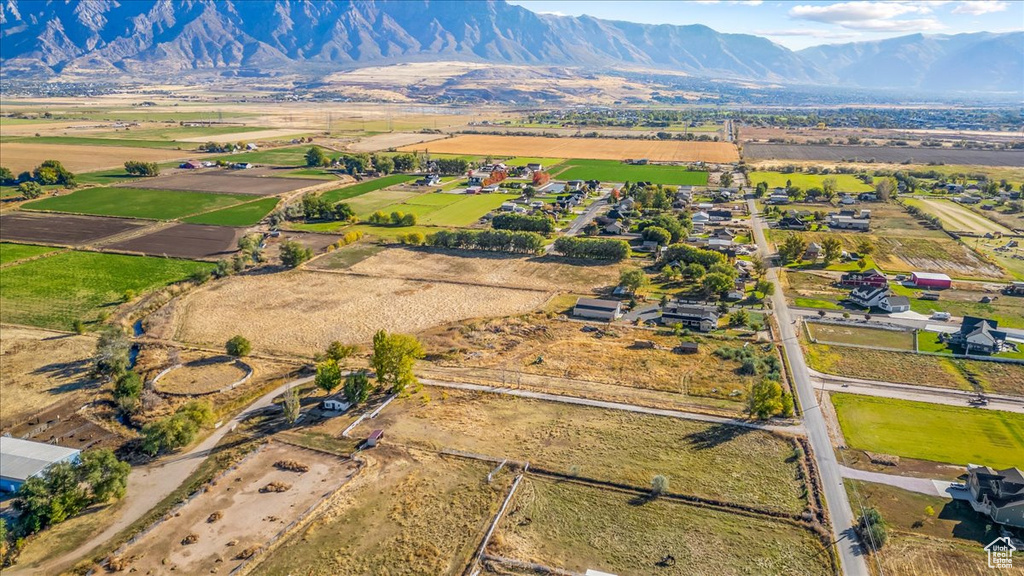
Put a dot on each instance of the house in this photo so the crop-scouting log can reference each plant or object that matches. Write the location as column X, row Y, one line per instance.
column 573, row 185
column 490, row 189
column 998, row 494
column 1014, row 289
column 954, row 188
column 930, row 280
column 847, row 200
column 869, row 277
column 626, row 204
column 778, row 198
column 252, row 147
column 719, row 244
column 979, row 335
column 790, row 223
column 813, row 251
column 507, row 207
column 868, row 296
column 190, row 165
column 535, row 167
column 649, row 246
column 724, row 234
column 691, row 317
column 867, row 197
column 597, row 309
column 700, row 218
column 848, row 223
column 24, row 459
column 614, row 228
column 720, row 214
column 336, row 403
column 967, row 199
column 429, row 180
column 374, row 438
column 475, row 180
column 734, row 295
column 894, row 304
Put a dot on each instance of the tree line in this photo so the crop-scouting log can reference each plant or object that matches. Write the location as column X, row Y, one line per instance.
column 488, row 240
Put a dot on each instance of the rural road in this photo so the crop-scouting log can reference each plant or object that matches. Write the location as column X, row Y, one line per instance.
column 851, row 553
column 588, row 215
column 148, row 485
column 930, row 394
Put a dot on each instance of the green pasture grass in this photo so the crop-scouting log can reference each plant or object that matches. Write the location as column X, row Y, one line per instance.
column 547, row 163
column 844, row 182
column 136, row 202
column 10, row 252
column 283, row 156
column 365, row 186
column 613, row 171
column 246, row 214
column 455, row 210
column 860, row 336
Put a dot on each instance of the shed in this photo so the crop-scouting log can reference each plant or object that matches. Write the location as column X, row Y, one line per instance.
column 687, row 348
column 24, row 459
column 374, row 438
column 597, row 309
column 931, row 280
column 336, row 403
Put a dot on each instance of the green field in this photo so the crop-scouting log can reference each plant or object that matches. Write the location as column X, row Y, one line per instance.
column 91, row 141
column 54, row 291
column 920, row 430
column 844, row 182
column 366, row 186
column 137, row 202
column 859, row 336
column 547, row 163
column 246, row 214
column 443, row 209
column 612, row 171
column 284, row 156
column 13, row 252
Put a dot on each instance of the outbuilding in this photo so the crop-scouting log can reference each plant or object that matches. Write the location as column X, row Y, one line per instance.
column 931, row 280
column 24, row 459
column 336, row 403
column 374, row 438
column 597, row 309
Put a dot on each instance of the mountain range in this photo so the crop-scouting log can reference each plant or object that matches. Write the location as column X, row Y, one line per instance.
column 117, row 38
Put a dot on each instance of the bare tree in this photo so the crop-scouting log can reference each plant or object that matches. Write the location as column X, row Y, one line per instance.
column 291, row 406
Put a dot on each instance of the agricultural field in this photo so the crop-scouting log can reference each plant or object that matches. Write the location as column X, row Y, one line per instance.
column 957, row 218
column 860, row 336
column 63, row 229
column 10, row 253
column 400, row 530
column 576, row 527
column 21, row 156
column 593, row 148
column 444, row 209
column 301, row 312
column 753, row 152
column 609, row 171
column 53, row 291
column 247, row 214
column 379, row 142
column 348, row 192
column 113, row 140
column 255, row 183
column 844, row 182
column 40, row 368
column 707, row 460
column 914, row 429
column 195, row 241
column 284, row 156
column 549, row 164
column 136, row 203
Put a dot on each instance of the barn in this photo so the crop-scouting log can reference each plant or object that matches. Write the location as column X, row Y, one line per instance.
column 931, row 280
column 23, row 459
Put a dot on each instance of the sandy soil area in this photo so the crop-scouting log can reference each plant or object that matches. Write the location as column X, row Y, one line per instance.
column 39, row 368
column 20, row 156
column 248, row 517
column 302, row 312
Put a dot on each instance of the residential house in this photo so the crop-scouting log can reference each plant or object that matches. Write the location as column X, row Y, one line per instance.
column 597, row 309
column 1014, row 289
column 813, row 251
column 790, row 223
column 930, row 280
column 998, row 494
column 868, row 296
column 626, row 204
column 846, row 199
column 573, row 185
column 476, row 180
column 979, row 336
column 698, row 318
column 869, row 277
column 507, row 207
column 954, row 188
column 429, row 180
column 724, row 234
column 721, row 214
column 720, row 245
column 615, row 228
column 867, row 197
column 700, row 218
column 336, row 403
column 894, row 304
column 535, row 167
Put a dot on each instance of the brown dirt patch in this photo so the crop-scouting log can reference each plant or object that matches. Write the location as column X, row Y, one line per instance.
column 65, row 229
column 817, row 152
column 225, row 182
column 20, row 156
column 195, row 241
column 201, row 374
column 385, row 141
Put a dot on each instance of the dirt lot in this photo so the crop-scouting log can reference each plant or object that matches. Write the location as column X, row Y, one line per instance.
column 754, row 152
column 64, row 229
column 20, row 156
column 301, row 312
column 385, row 141
column 39, row 368
column 592, row 148
column 194, row 241
column 492, row 269
column 201, row 373
column 224, row 182
column 958, row 218
column 248, row 517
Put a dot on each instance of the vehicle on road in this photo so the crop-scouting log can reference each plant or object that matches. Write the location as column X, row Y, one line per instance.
column 944, row 316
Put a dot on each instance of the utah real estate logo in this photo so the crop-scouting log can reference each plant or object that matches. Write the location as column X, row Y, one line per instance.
column 1000, row 553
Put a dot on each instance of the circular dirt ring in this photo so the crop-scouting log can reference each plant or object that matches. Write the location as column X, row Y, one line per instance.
column 204, row 376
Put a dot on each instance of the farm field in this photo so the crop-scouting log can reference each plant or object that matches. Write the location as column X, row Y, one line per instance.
column 379, row 142
column 13, row 252
column 224, row 182
column 246, row 214
column 444, row 209
column 914, row 429
column 844, row 182
column 593, row 148
column 549, row 164
column 576, row 527
column 136, row 203
column 348, row 192
column 753, row 152
column 283, row 156
column 708, row 460
column 40, row 368
column 21, row 156
column 609, row 171
column 956, row 217
column 367, row 203
column 54, row 291
column 66, row 229
column 113, row 139
column 860, row 336
column 249, row 517
column 399, row 530
column 301, row 312
column 193, row 241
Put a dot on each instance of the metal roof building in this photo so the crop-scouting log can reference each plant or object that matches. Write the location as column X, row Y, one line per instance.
column 23, row 459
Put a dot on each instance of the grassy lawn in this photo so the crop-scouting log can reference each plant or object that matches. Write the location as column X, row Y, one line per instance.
column 137, row 202
column 246, row 214
column 52, row 292
column 366, row 186
column 442, row 209
column 844, row 182
column 920, row 430
column 1008, row 311
column 13, row 252
column 613, row 171
column 856, row 335
column 576, row 527
column 816, row 303
column 547, row 163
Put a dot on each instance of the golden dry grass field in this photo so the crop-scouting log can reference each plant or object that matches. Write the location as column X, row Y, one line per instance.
column 592, row 148
column 20, row 156
column 38, row 368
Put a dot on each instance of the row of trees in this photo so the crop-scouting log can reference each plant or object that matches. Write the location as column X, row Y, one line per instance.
column 381, row 218
column 490, row 240
column 523, row 223
column 137, row 168
column 30, row 184
column 592, row 248
column 319, row 208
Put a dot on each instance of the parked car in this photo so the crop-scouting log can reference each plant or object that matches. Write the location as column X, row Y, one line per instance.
column 958, row 486
column 944, row 316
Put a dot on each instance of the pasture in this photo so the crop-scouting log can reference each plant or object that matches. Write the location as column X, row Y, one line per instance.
column 593, row 148
column 20, row 156
column 136, row 203
column 65, row 229
column 348, row 192
column 40, row 368
column 957, row 218
column 443, row 209
column 861, row 336
column 844, row 182
column 919, row 430
column 610, row 171
column 246, row 214
column 54, row 291
column 14, row 252
column 283, row 156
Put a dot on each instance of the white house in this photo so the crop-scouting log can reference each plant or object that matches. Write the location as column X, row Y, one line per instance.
column 700, row 218
column 894, row 304
column 336, row 403
column 868, row 296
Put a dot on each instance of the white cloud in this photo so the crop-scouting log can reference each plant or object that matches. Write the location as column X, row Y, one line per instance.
column 979, row 7
column 876, row 16
column 807, row 33
column 739, row 2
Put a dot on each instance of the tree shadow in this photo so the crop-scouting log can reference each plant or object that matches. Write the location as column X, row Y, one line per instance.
column 716, row 436
column 642, row 499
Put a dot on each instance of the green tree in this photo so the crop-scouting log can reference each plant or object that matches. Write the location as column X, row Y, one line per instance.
column 127, row 391
column 238, row 346
column 383, row 164
column 339, row 352
column 738, row 318
column 716, row 283
column 829, row 188
column 176, row 430
column 767, row 399
column 886, row 188
column 106, row 476
column 792, row 249
column 865, row 247
column 760, row 266
column 294, row 254
column 6, row 178
column 832, row 249
column 315, row 157
column 112, row 351
column 694, row 271
column 328, row 376
column 657, row 234
column 53, row 172
column 765, row 288
column 633, row 279
column 872, row 529
column 393, row 358
column 138, row 168
column 30, row 190
column 357, row 387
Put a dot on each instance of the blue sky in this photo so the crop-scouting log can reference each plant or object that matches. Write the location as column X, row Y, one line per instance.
column 799, row 24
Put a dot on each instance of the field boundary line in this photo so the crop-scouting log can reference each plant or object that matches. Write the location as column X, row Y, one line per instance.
column 433, row 280
column 494, row 524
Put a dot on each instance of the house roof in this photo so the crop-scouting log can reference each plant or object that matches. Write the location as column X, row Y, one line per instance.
column 895, row 301
column 376, row 434
column 866, row 292
column 691, row 312
column 929, row 276
column 598, row 304
column 23, row 459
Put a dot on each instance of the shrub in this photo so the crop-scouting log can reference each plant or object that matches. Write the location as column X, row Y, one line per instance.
column 238, row 346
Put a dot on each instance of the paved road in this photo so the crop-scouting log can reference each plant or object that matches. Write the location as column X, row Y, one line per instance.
column 148, row 485
column 795, row 429
column 920, row 485
column 586, row 217
column 915, row 392
column 851, row 553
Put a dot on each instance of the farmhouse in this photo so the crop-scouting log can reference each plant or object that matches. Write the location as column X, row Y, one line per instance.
column 597, row 309
column 24, row 459
column 868, row 296
column 979, row 335
column 336, row 403
column 930, row 280
column 998, row 494
column 691, row 317
column 869, row 277
column 429, row 180
column 535, row 167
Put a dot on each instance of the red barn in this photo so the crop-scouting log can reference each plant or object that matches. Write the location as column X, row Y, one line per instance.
column 930, row 280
